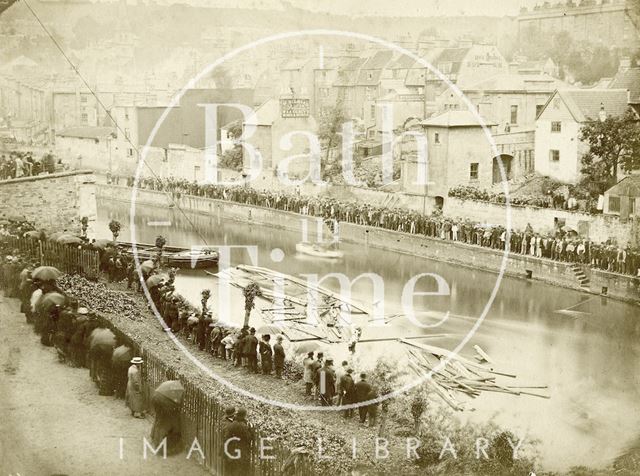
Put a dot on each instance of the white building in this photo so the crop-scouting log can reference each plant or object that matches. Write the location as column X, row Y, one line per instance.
column 558, row 149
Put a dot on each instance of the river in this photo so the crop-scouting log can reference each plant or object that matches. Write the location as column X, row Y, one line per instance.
column 589, row 356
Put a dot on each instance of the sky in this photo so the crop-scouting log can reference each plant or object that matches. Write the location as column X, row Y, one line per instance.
column 380, row 7
column 416, row 7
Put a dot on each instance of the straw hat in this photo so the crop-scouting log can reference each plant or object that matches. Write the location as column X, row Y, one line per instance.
column 137, row 360
column 83, row 310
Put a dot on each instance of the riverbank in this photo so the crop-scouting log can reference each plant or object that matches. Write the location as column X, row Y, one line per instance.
column 618, row 286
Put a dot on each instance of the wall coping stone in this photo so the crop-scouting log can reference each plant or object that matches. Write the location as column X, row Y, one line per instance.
column 47, row 177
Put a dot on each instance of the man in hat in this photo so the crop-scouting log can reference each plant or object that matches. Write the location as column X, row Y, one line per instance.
column 250, row 344
column 133, row 395
column 307, row 376
column 278, row 356
column 266, row 354
column 236, row 440
column 327, row 383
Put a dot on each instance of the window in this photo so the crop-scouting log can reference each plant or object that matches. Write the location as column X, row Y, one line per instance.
column 373, row 111
column 614, row 204
column 556, row 126
column 129, row 152
column 632, row 206
column 554, row 155
column 473, row 171
column 83, row 98
column 539, row 109
column 514, row 115
column 84, row 117
column 436, row 138
column 369, row 76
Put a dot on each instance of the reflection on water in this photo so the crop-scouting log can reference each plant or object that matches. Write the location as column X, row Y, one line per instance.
column 589, row 357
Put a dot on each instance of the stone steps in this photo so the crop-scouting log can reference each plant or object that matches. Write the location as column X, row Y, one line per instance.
column 580, row 275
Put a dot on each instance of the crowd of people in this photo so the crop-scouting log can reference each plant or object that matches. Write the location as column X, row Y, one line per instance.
column 560, row 245
column 16, row 164
column 243, row 349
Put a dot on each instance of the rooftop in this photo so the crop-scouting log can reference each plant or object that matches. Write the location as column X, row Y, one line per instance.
column 454, row 118
column 627, row 187
column 87, row 132
column 518, row 82
column 628, row 79
column 584, row 104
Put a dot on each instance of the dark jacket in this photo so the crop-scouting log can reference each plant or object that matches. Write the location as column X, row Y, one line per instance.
column 278, row 354
column 363, row 389
column 249, row 345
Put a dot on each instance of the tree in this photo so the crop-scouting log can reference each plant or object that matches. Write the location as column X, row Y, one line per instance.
column 250, row 294
column 613, row 143
column 115, row 227
column 330, row 127
column 232, row 159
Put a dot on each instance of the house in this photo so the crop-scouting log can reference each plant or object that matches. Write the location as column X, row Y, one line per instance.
column 512, row 100
column 345, row 84
column 271, row 122
column 623, row 199
column 368, row 85
column 87, row 148
column 558, row 149
column 463, row 66
column 458, row 153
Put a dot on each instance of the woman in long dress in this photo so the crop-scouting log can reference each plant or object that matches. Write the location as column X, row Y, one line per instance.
column 133, row 395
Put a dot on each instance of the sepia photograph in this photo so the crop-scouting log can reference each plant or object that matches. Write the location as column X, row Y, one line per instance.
column 319, row 238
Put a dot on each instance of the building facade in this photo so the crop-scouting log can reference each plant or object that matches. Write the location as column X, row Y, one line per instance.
column 558, row 148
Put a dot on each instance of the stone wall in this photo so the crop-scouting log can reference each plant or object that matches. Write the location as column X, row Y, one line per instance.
column 55, row 202
column 549, row 271
column 598, row 228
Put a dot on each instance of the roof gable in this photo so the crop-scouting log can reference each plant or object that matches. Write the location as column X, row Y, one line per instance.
column 628, row 79
column 584, row 104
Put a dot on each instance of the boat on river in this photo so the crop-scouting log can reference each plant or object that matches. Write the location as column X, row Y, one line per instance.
column 196, row 258
column 318, row 250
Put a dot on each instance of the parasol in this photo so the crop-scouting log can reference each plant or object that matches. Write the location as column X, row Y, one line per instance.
column 122, row 355
column 46, row 302
column 46, row 273
column 309, row 346
column 268, row 329
column 69, row 240
column 171, row 390
column 155, row 280
column 102, row 336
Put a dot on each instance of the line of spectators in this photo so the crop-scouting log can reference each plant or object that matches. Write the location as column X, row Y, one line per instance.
column 17, row 164
column 561, row 245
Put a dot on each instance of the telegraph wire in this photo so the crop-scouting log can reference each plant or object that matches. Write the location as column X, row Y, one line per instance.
column 99, row 101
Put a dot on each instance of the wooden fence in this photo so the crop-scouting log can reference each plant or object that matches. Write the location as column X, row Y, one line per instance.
column 202, row 414
column 67, row 258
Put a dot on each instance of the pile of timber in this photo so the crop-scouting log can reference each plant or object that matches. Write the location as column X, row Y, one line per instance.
column 450, row 374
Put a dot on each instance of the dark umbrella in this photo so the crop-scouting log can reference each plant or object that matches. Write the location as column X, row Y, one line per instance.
column 147, row 266
column 171, row 390
column 102, row 336
column 47, row 301
column 56, row 235
column 155, row 280
column 32, row 234
column 309, row 346
column 122, row 355
column 268, row 329
column 102, row 244
column 46, row 273
column 69, row 240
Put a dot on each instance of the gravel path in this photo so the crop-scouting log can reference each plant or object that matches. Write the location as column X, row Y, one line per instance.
column 55, row 423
